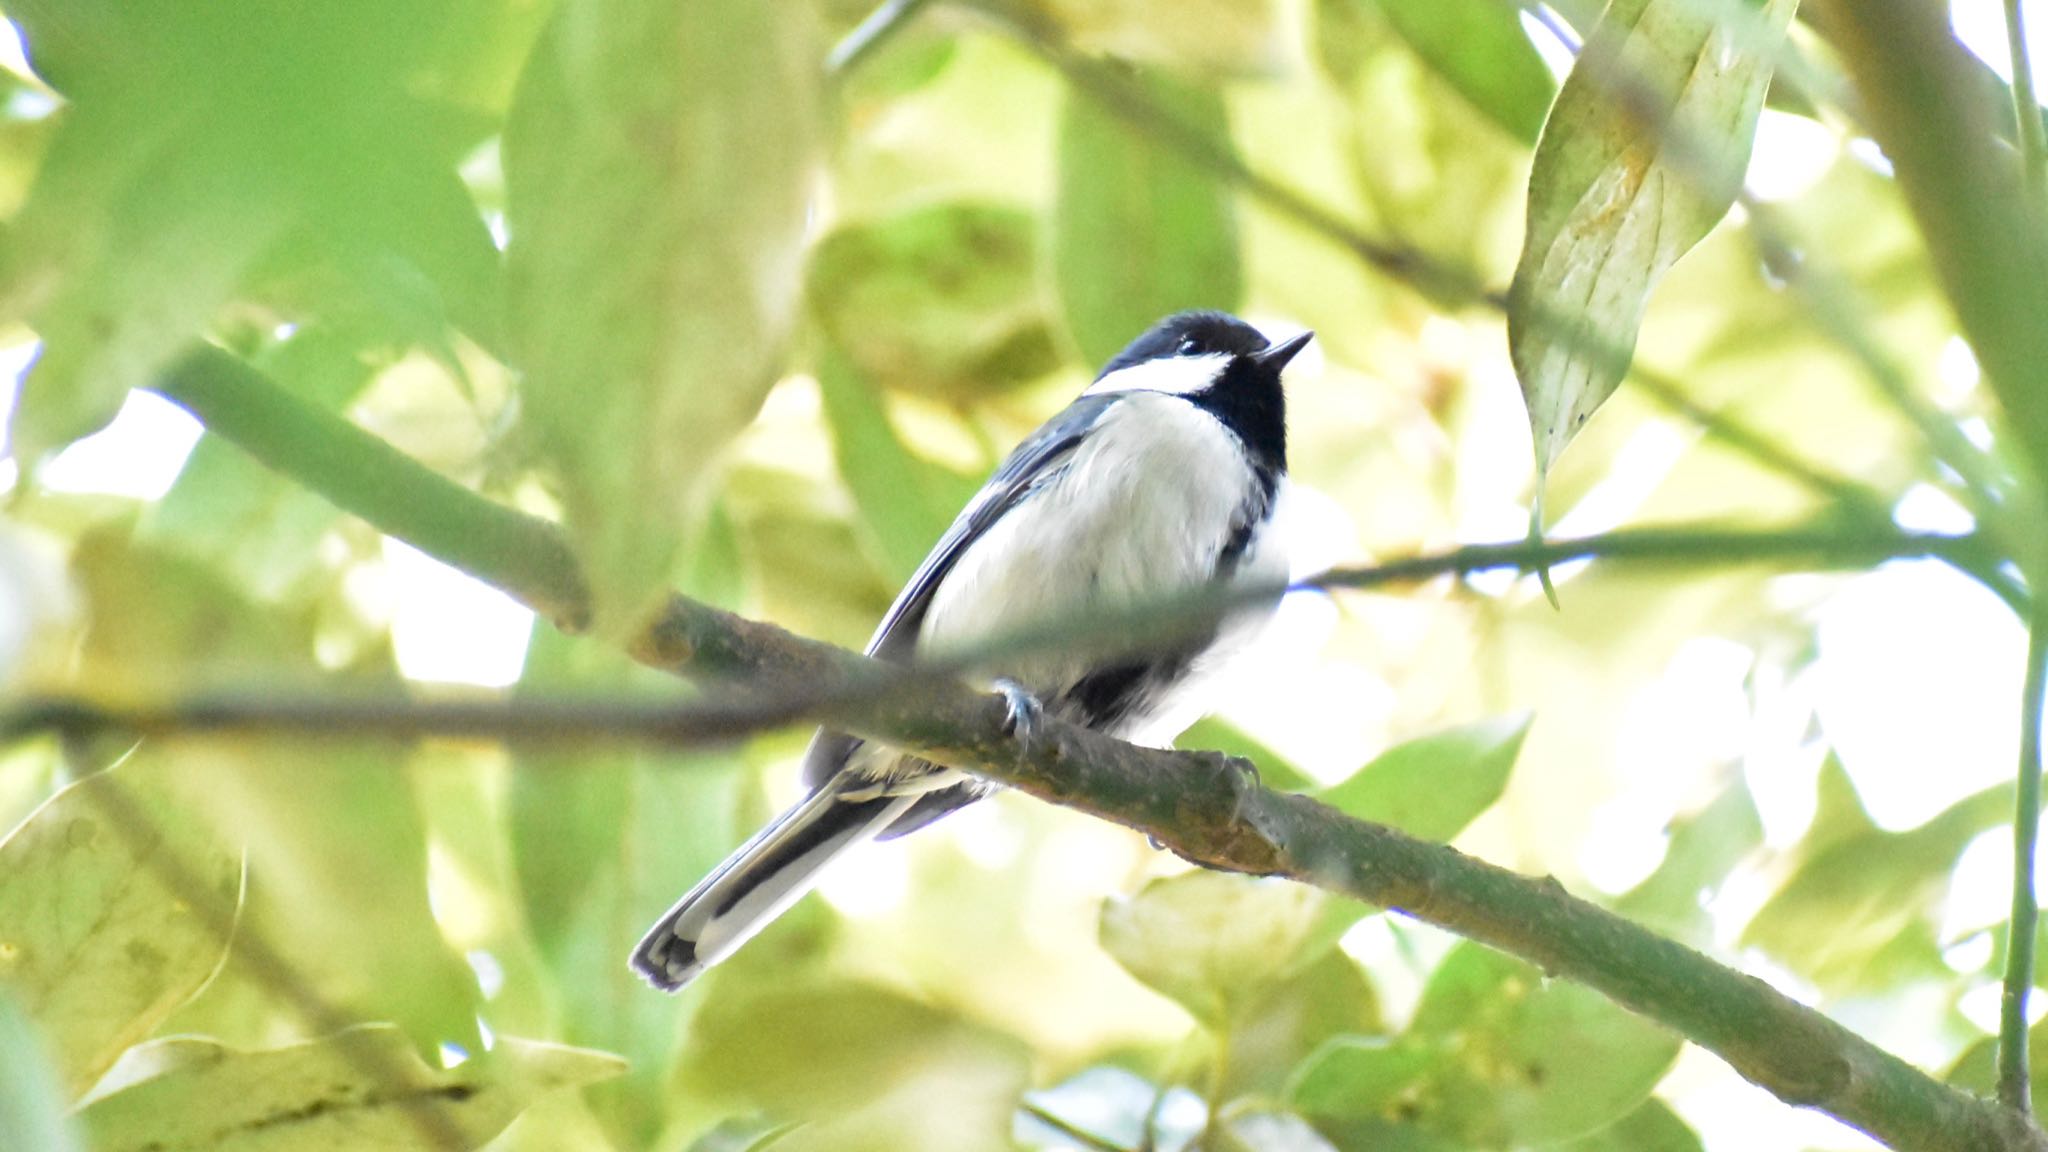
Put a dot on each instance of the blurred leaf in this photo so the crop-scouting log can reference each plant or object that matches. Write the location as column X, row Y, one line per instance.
column 1281, row 1027
column 393, row 245
column 1976, row 1070
column 943, row 300
column 1480, row 48
column 603, row 840
column 133, row 236
column 1201, row 38
column 906, row 61
column 1652, row 1127
column 1433, row 786
column 979, row 1090
column 336, row 847
column 32, row 1102
column 1433, row 167
column 1138, row 231
column 337, row 853
column 764, row 1044
column 1348, row 32
column 1115, row 1104
column 1704, row 847
column 98, row 945
column 1216, row 734
column 255, row 525
column 658, row 163
column 1496, row 1057
column 802, row 556
column 1277, row 1132
column 1361, row 1076
column 741, row 1135
column 1622, row 186
column 1860, row 911
column 275, row 58
column 1211, row 941
column 905, row 501
column 356, row 1089
column 199, row 138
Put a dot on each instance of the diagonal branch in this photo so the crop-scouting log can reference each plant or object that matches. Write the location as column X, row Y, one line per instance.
column 1205, row 806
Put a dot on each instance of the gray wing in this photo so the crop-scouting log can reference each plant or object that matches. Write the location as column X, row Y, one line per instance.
column 1040, row 457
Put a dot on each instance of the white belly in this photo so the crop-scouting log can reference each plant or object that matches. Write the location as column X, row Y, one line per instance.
column 1147, row 506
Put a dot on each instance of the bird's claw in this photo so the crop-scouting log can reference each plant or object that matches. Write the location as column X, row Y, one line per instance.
column 1022, row 710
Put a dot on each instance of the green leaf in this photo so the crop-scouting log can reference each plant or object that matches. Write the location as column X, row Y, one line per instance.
column 1614, row 200
column 98, row 939
column 1279, row 1028
column 1704, row 847
column 1212, row 733
column 1429, row 163
column 1496, row 1057
column 1138, row 230
column 1652, row 1127
column 362, row 1088
column 337, row 863
column 1277, row 1132
column 1551, row 1059
column 1198, row 38
column 136, row 232
column 1976, row 1070
column 32, row 1101
column 336, row 846
column 943, row 299
column 254, row 524
column 905, row 501
column 763, row 1045
column 1211, row 941
column 1480, row 48
column 1860, row 911
column 602, row 842
column 1360, row 1076
column 659, row 161
column 1433, row 786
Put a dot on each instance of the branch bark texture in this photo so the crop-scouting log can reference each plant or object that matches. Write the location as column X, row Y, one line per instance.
column 1202, row 805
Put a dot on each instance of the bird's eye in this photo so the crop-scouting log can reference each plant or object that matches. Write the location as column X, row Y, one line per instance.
column 1190, row 346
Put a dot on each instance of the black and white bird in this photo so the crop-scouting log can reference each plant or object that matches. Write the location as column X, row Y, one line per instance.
column 1163, row 476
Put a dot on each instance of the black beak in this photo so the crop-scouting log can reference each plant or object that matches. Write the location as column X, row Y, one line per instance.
column 1277, row 356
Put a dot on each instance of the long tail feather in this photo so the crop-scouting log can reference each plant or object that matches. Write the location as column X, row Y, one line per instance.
column 758, row 882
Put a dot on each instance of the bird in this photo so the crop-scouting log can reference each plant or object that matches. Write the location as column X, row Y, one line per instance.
column 1165, row 475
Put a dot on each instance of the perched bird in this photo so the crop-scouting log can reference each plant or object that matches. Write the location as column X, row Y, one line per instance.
column 1163, row 476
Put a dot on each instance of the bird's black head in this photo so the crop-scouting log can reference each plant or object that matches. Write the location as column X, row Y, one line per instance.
column 1221, row 364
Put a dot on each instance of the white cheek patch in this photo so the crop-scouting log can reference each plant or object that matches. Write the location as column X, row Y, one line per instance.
column 1175, row 375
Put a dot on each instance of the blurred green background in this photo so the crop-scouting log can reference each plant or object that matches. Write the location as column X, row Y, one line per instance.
column 754, row 327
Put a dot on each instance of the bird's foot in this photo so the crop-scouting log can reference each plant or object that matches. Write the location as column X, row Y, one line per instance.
column 1023, row 711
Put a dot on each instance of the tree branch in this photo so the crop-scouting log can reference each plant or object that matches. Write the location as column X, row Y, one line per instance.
column 746, row 695
column 2015, row 1085
column 1204, row 806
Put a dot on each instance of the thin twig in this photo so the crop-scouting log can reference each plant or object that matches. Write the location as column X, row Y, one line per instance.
column 869, row 35
column 2026, row 111
column 1078, row 1135
column 733, row 711
column 2014, row 1084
